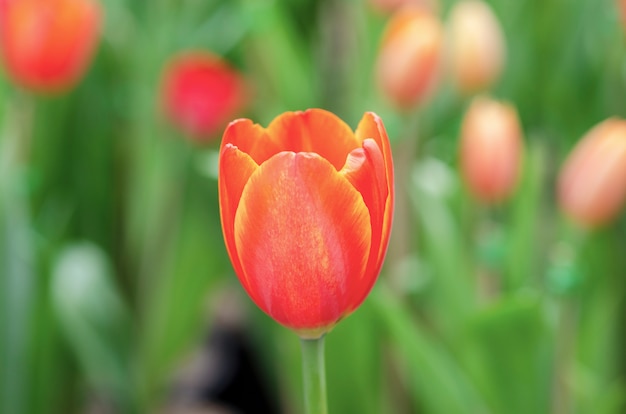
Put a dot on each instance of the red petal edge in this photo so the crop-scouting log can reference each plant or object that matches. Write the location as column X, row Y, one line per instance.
column 365, row 169
column 371, row 126
column 235, row 170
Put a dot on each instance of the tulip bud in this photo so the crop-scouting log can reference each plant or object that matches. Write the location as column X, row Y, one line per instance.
column 491, row 149
column 592, row 182
column 408, row 62
column 200, row 93
column 46, row 45
column 390, row 6
column 306, row 219
column 477, row 49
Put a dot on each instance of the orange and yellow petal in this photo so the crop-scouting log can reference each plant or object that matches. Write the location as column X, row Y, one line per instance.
column 303, row 235
column 314, row 130
column 250, row 138
column 371, row 126
column 365, row 169
column 235, row 169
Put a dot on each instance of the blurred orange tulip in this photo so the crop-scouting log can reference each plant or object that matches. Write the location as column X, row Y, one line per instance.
column 306, row 218
column 390, row 6
column 592, row 182
column 408, row 62
column 491, row 149
column 477, row 48
column 46, row 45
column 200, row 93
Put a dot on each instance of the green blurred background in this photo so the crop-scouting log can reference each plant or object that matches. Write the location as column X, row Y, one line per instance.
column 114, row 278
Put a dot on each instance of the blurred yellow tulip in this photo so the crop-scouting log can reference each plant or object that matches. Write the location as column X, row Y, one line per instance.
column 477, row 47
column 408, row 62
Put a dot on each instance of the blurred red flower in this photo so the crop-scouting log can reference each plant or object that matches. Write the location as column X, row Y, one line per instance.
column 46, row 45
column 200, row 93
column 306, row 207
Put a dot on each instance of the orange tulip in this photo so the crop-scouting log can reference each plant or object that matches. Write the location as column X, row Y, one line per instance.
column 306, row 207
column 390, row 6
column 46, row 45
column 408, row 61
column 491, row 149
column 592, row 182
column 477, row 46
column 201, row 93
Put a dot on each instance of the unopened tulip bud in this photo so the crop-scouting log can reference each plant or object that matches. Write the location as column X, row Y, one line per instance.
column 201, row 93
column 491, row 149
column 592, row 182
column 46, row 45
column 390, row 6
column 477, row 48
column 408, row 62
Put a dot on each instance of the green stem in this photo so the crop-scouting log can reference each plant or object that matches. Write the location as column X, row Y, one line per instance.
column 314, row 373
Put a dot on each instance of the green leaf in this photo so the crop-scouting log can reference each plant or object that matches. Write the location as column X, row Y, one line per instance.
column 354, row 364
column 17, row 294
column 436, row 379
column 432, row 182
column 94, row 319
column 523, row 246
column 508, row 353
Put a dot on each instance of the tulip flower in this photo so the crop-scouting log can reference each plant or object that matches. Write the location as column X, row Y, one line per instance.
column 491, row 149
column 390, row 6
column 200, row 93
column 408, row 61
column 306, row 208
column 477, row 49
column 592, row 182
column 46, row 45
